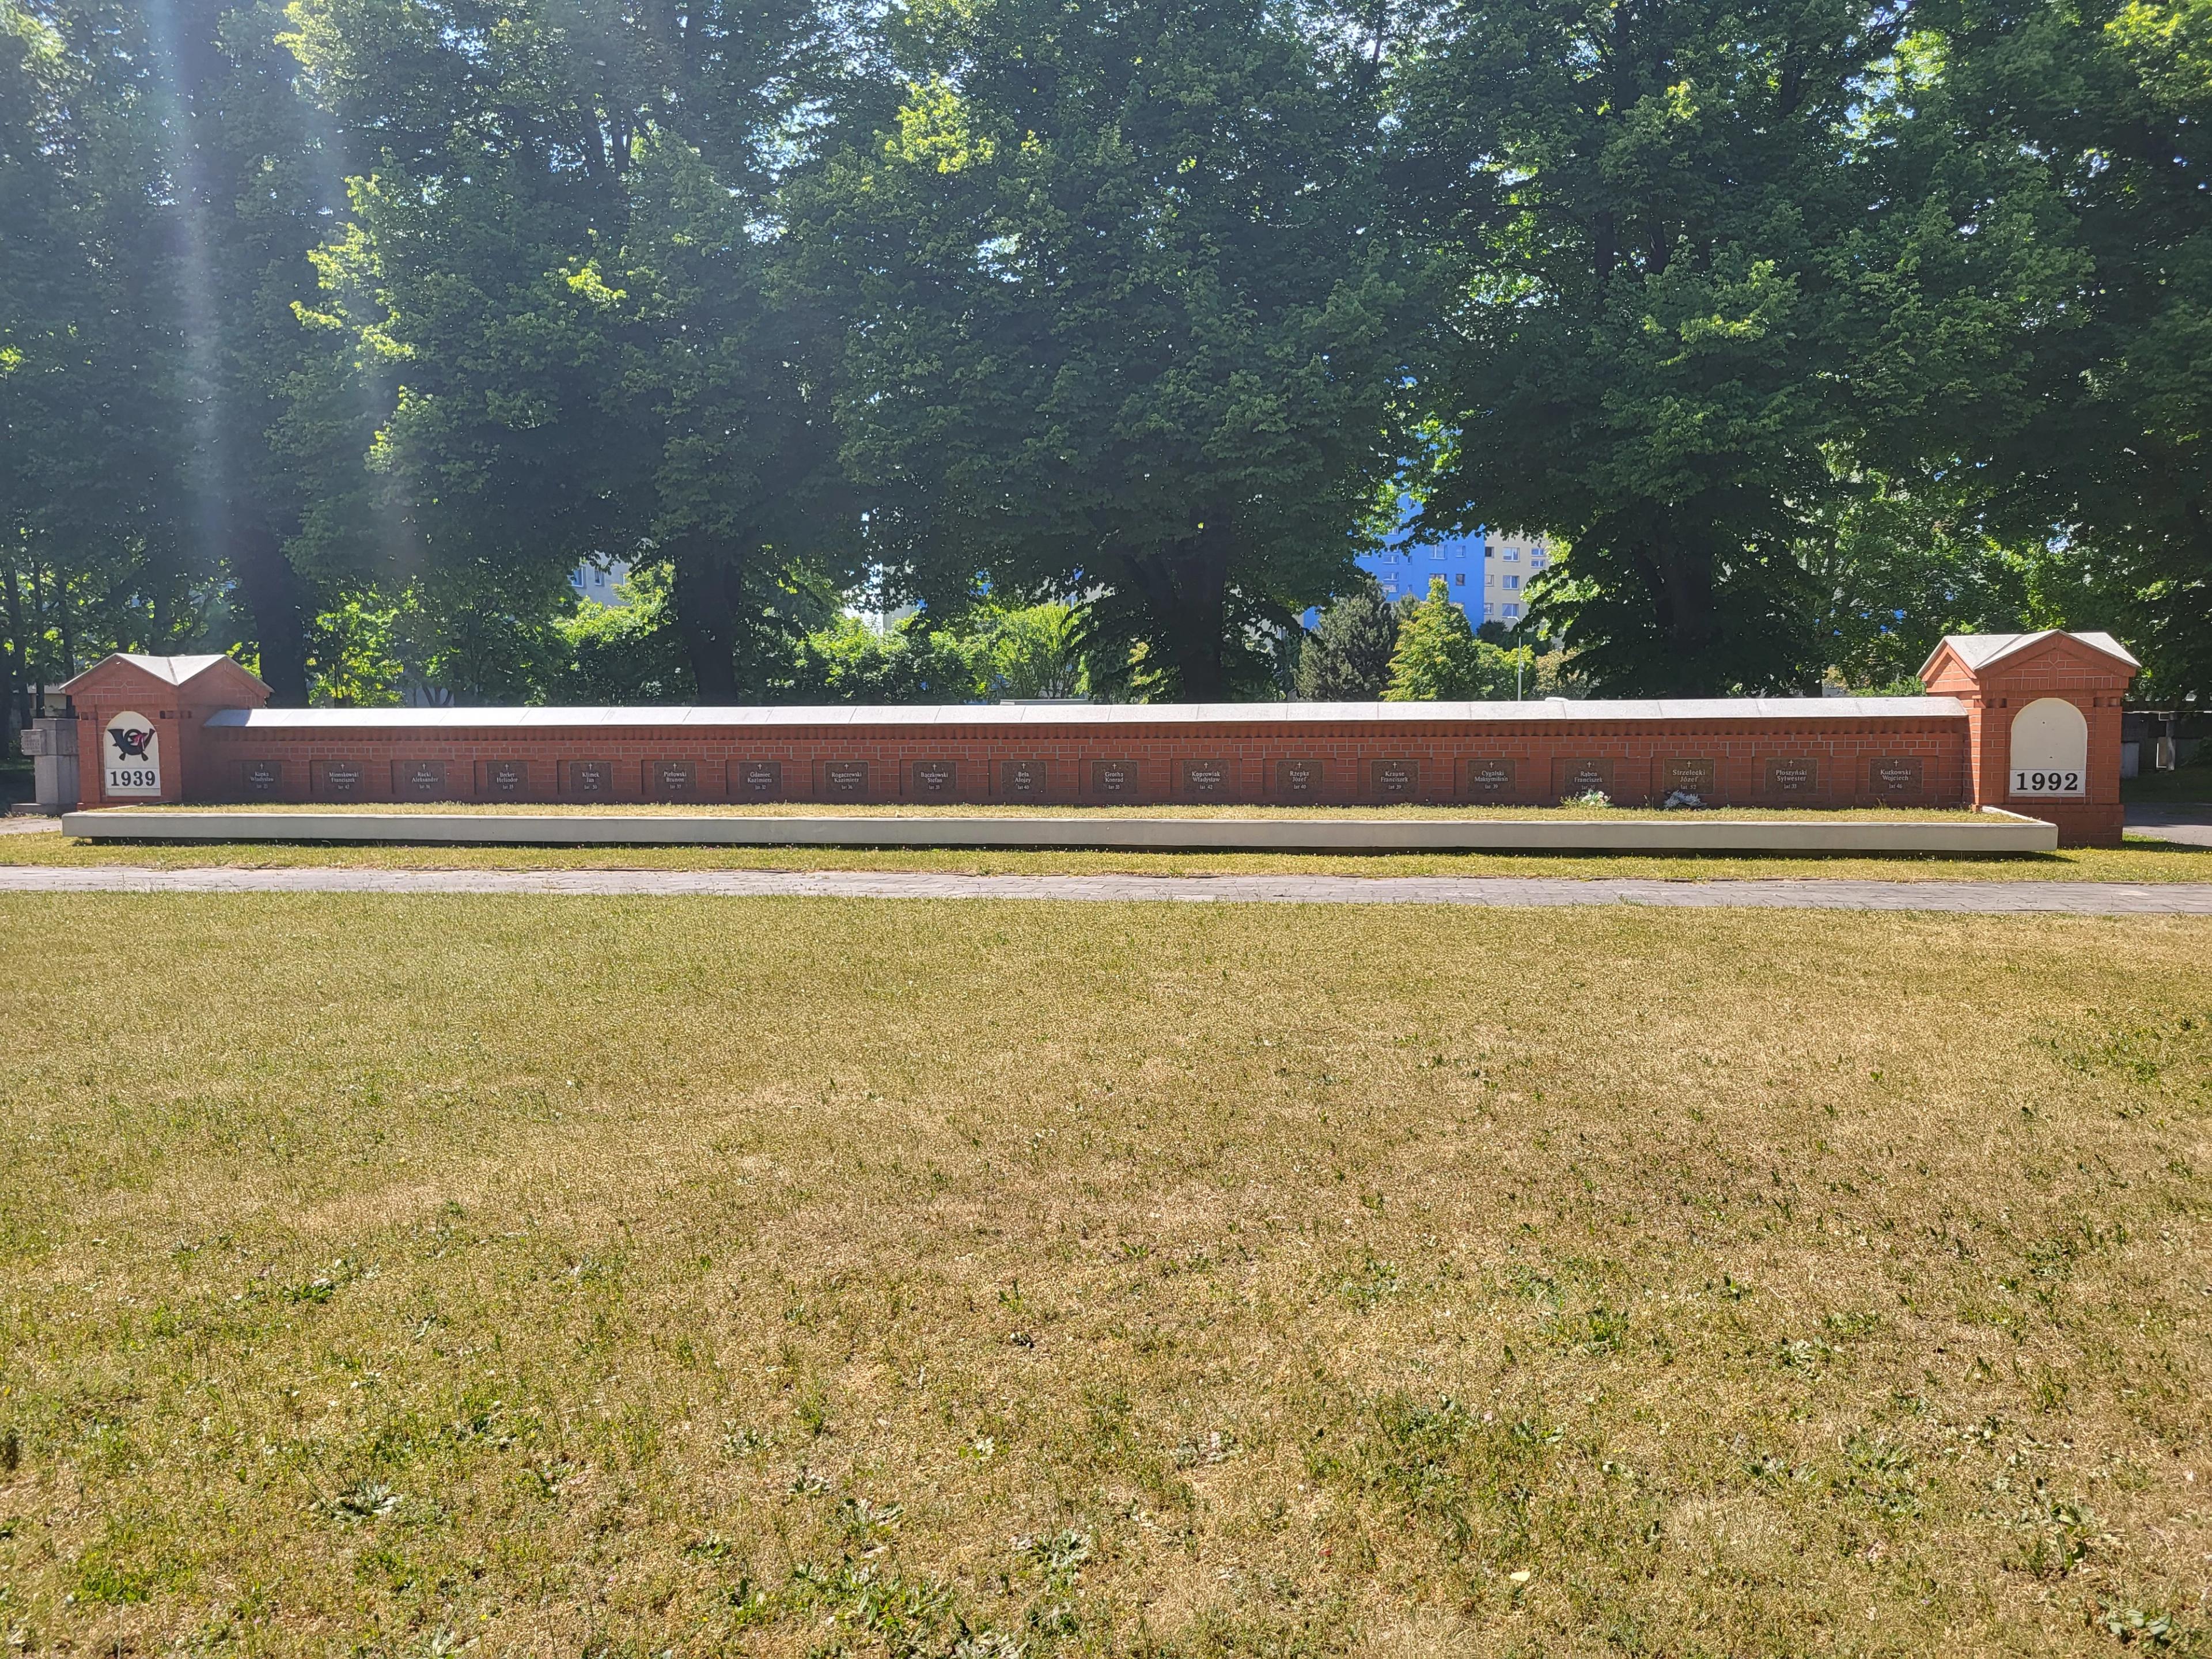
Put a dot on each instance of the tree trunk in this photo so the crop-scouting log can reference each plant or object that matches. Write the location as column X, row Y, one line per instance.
column 1678, row 573
column 709, row 596
column 68, row 633
column 19, row 661
column 1186, row 588
column 278, row 599
column 39, row 637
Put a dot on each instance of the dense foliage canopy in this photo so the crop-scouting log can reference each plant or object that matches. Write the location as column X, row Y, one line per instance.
column 1107, row 333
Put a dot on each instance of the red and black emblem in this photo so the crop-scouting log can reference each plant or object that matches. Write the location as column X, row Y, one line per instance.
column 130, row 744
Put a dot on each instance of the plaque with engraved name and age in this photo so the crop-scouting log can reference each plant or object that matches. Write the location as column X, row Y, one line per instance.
column 496, row 778
column 1700, row 778
column 1580, row 777
column 1297, row 781
column 339, row 780
column 1204, row 779
column 419, row 779
column 845, row 779
column 588, row 780
column 674, row 779
column 1490, row 779
column 1791, row 777
column 757, row 780
column 935, row 780
column 1023, row 780
column 1904, row 777
column 1393, row 780
column 260, row 779
column 1113, row 781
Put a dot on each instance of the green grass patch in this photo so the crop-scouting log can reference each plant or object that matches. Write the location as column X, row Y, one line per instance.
column 2190, row 784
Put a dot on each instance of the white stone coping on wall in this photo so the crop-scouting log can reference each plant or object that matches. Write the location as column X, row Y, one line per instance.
column 1553, row 711
column 2006, row 834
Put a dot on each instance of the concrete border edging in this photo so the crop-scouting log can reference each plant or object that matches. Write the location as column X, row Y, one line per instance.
column 1687, row 834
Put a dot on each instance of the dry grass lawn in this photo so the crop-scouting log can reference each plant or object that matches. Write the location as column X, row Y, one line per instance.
column 398, row 1277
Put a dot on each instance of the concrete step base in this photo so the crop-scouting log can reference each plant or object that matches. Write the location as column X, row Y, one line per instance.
column 1999, row 834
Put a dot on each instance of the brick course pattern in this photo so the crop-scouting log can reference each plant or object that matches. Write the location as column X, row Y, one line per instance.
column 1917, row 759
column 1937, row 750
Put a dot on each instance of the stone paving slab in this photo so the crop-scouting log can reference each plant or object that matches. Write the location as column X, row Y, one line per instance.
column 1973, row 898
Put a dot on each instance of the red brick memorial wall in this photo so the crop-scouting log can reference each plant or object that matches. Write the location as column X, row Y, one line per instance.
column 217, row 742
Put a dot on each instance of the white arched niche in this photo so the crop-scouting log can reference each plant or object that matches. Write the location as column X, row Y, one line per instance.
column 2050, row 749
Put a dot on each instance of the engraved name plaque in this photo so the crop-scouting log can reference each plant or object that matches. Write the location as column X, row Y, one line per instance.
column 1395, row 780
column 672, row 780
column 1903, row 778
column 338, row 780
column 1204, row 779
column 1113, row 779
column 588, row 780
column 1489, row 780
column 937, row 779
column 1023, row 780
column 1701, row 778
column 1792, row 776
column 1580, row 777
column 419, row 781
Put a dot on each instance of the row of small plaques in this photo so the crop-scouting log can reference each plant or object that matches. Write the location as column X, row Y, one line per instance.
column 1501, row 779
column 419, row 780
column 682, row 779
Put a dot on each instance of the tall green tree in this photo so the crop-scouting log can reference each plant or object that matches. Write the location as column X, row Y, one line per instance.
column 255, row 173
column 559, row 282
column 2095, row 117
column 1348, row 657
column 92, row 548
column 162, row 183
column 1439, row 657
column 1123, row 316
column 1038, row 651
column 1899, row 566
column 1689, row 267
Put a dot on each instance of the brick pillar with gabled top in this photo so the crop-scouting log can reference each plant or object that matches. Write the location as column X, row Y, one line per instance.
column 160, row 755
column 2043, row 719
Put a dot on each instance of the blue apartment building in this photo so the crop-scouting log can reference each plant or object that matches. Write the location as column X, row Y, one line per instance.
column 1406, row 570
column 1483, row 572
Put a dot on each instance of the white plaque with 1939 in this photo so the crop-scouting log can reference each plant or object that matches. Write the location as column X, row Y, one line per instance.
column 130, row 756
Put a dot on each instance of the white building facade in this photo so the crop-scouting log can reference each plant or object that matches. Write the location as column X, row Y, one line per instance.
column 601, row 584
column 1510, row 561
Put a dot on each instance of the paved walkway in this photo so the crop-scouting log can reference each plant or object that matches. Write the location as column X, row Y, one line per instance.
column 2189, row 824
column 2093, row 898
